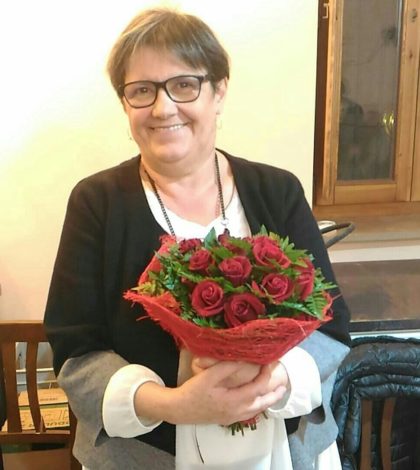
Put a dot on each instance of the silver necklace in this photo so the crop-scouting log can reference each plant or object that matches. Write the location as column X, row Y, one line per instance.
column 225, row 220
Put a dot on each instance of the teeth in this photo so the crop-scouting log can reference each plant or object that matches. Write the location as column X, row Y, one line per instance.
column 170, row 128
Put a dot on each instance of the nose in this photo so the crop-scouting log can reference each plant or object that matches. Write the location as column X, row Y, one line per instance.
column 163, row 107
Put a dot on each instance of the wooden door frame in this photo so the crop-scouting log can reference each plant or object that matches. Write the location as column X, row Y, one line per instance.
column 415, row 195
column 407, row 167
column 327, row 111
column 407, row 100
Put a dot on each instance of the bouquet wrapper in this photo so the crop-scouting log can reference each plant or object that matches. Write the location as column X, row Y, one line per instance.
column 260, row 341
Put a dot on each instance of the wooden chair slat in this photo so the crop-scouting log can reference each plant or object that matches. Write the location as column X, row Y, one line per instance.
column 365, row 445
column 386, row 428
column 10, row 384
column 22, row 331
column 32, row 386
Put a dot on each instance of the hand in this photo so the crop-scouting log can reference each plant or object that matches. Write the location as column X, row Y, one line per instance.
column 276, row 375
column 205, row 398
column 247, row 372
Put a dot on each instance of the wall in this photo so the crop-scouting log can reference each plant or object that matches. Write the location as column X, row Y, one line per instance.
column 61, row 121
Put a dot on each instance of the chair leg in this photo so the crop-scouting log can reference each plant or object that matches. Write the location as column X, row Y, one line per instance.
column 74, row 463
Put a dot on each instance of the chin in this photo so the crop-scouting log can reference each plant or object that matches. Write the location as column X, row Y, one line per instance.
column 169, row 154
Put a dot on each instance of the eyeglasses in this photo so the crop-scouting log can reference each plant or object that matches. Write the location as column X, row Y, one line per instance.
column 180, row 89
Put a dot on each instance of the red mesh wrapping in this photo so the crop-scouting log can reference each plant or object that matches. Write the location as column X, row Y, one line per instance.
column 258, row 341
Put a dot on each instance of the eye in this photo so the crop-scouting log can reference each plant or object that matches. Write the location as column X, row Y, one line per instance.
column 138, row 90
column 185, row 84
column 142, row 89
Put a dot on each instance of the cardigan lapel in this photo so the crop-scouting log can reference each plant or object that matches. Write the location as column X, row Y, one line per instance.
column 250, row 190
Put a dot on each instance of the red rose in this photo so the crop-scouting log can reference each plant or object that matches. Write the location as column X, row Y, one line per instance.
column 200, row 260
column 241, row 308
column 224, row 240
column 189, row 244
column 187, row 282
column 154, row 265
column 168, row 300
column 305, row 280
column 207, row 298
column 280, row 287
column 236, row 269
column 266, row 251
column 166, row 242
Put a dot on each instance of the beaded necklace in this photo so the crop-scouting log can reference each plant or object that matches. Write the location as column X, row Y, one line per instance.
column 225, row 220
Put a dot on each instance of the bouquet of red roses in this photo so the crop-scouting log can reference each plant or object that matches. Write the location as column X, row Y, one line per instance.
column 247, row 299
column 243, row 299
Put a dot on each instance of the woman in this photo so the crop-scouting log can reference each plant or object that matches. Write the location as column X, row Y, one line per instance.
column 139, row 401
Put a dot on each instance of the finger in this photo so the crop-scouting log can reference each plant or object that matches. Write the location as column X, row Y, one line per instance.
column 262, row 380
column 221, row 370
column 279, row 374
column 261, row 385
column 196, row 369
column 205, row 362
column 262, row 402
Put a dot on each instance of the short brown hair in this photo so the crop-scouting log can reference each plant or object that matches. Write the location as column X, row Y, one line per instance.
column 184, row 35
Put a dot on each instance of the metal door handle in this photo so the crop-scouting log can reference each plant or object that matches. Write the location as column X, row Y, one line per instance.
column 327, row 11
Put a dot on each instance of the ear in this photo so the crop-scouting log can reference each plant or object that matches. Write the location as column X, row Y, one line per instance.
column 220, row 95
column 124, row 104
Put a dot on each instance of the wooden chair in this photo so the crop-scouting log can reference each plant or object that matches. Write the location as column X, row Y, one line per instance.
column 385, row 434
column 32, row 333
column 375, row 402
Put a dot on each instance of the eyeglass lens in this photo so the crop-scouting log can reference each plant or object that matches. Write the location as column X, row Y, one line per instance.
column 180, row 89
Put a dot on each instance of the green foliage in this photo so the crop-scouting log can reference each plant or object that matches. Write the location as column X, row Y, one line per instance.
column 220, row 253
column 243, row 245
column 210, row 239
column 262, row 231
column 316, row 303
column 215, row 321
column 177, row 278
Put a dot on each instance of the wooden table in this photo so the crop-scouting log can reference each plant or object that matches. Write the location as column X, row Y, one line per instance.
column 381, row 295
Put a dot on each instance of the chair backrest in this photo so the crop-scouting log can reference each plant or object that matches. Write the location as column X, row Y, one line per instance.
column 375, row 402
column 32, row 333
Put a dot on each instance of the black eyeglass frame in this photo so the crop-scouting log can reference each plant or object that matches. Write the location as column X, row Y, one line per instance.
column 159, row 85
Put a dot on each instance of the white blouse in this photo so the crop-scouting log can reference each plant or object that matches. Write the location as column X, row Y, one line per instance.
column 211, row 446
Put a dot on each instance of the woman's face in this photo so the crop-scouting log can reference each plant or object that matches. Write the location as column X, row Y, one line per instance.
column 166, row 131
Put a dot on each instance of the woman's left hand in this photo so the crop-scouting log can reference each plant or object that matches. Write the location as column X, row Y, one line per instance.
column 276, row 375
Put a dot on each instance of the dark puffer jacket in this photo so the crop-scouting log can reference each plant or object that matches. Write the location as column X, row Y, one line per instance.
column 375, row 369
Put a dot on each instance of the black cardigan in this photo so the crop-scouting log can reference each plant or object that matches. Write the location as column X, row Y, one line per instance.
column 110, row 235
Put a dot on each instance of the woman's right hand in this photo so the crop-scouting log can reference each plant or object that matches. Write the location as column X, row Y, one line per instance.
column 207, row 398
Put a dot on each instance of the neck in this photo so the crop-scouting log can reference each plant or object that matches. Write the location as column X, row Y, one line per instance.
column 169, row 177
column 198, row 198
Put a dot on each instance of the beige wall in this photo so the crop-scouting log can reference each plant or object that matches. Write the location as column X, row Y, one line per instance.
column 60, row 120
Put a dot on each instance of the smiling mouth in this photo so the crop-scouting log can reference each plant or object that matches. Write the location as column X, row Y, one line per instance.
column 175, row 127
